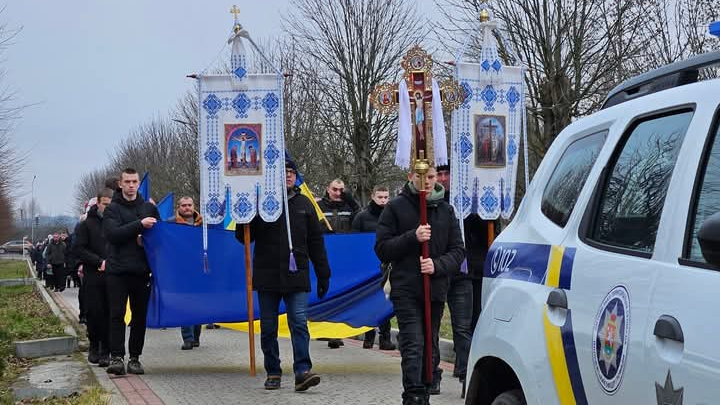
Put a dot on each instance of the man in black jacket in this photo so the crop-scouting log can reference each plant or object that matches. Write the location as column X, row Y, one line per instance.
column 128, row 273
column 91, row 250
column 399, row 238
column 56, row 250
column 340, row 209
column 275, row 278
column 366, row 221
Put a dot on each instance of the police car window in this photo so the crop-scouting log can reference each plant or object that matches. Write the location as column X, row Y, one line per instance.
column 708, row 198
column 633, row 194
column 568, row 179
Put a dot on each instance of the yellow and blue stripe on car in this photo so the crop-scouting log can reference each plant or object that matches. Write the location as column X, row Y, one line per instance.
column 552, row 266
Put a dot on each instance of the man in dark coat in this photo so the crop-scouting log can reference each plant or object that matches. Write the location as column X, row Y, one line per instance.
column 366, row 221
column 340, row 209
column 128, row 272
column 91, row 250
column 56, row 259
column 465, row 288
column 276, row 278
column 399, row 238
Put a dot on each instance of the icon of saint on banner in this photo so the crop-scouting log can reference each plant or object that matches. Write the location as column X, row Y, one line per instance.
column 242, row 149
column 490, row 141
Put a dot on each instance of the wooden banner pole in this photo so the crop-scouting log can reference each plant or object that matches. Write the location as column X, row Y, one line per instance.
column 249, row 291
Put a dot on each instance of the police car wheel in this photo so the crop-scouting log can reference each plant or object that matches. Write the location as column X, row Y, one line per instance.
column 2, row 251
column 514, row 397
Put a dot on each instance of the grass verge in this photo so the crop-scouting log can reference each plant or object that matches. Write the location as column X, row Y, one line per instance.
column 13, row 269
column 23, row 316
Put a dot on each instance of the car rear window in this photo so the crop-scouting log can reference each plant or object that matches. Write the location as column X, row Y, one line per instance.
column 568, row 178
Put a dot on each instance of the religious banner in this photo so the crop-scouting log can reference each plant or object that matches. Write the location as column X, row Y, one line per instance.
column 241, row 140
column 486, row 129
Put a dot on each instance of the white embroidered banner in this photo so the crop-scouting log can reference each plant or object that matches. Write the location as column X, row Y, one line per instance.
column 486, row 133
column 241, row 143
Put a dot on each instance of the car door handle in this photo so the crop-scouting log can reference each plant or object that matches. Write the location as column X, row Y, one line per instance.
column 667, row 327
column 557, row 298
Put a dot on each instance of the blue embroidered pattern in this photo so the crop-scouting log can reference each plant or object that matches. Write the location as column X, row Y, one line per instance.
column 271, row 154
column 513, row 97
column 466, row 146
column 241, row 104
column 240, row 72
column 213, row 155
column 512, row 149
column 271, row 204
column 242, row 206
column 489, row 96
column 489, row 201
column 270, row 103
column 214, row 207
column 212, row 104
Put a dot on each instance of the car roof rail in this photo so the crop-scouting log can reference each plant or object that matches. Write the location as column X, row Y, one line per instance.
column 669, row 76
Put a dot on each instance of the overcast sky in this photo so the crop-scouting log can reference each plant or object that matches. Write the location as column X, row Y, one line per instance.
column 91, row 70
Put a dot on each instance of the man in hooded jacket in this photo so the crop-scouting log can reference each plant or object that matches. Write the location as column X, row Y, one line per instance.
column 398, row 241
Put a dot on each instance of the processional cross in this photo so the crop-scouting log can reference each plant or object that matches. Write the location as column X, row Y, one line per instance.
column 386, row 98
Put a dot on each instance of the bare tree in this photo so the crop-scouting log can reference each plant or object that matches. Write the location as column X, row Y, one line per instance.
column 11, row 161
column 573, row 52
column 348, row 47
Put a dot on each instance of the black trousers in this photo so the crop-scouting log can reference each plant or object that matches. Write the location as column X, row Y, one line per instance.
column 59, row 276
column 384, row 332
column 460, row 300
column 120, row 288
column 95, row 296
column 477, row 301
column 81, row 297
column 411, row 337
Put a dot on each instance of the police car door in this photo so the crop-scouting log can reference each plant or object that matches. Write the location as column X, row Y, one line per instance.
column 684, row 318
column 614, row 266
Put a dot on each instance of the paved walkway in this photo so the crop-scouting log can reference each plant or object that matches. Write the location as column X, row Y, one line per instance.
column 218, row 372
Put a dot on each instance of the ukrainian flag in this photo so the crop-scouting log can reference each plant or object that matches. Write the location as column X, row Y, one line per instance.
column 354, row 304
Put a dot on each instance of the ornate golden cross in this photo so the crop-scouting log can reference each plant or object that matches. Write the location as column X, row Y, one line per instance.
column 235, row 11
column 417, row 66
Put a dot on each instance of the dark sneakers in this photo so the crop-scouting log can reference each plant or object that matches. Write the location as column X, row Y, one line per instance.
column 187, row 346
column 306, row 380
column 134, row 366
column 196, row 344
column 386, row 344
column 335, row 343
column 272, row 382
column 93, row 356
column 434, row 388
column 117, row 366
column 104, row 360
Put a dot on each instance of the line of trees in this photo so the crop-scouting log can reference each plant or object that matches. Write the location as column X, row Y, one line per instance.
column 336, row 51
column 11, row 160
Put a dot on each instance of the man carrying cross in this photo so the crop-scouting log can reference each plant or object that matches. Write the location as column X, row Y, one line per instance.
column 418, row 232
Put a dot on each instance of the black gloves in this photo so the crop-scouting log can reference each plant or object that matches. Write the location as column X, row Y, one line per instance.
column 323, row 285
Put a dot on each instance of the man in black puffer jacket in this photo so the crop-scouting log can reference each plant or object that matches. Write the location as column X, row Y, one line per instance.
column 91, row 249
column 399, row 238
column 275, row 278
column 128, row 273
column 366, row 221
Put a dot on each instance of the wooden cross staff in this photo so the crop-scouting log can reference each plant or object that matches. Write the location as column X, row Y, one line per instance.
column 417, row 64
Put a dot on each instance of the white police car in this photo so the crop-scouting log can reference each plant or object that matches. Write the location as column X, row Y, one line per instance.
column 599, row 292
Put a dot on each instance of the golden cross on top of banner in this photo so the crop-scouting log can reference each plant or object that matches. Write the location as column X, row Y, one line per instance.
column 417, row 65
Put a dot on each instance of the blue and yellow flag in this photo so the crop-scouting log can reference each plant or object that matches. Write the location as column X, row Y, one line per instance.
column 183, row 294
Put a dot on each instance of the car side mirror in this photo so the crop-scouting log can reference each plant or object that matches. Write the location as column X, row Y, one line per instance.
column 709, row 238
